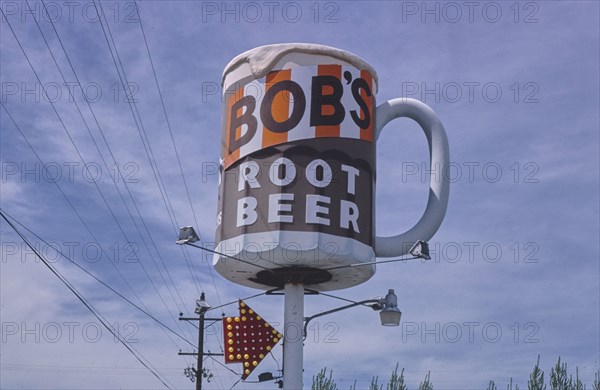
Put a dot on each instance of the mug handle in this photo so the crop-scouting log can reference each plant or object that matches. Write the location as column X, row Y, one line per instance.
column 439, row 190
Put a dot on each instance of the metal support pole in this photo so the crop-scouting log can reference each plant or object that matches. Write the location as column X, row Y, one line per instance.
column 375, row 304
column 293, row 342
column 200, row 348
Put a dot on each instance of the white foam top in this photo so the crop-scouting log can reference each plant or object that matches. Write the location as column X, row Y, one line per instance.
column 263, row 58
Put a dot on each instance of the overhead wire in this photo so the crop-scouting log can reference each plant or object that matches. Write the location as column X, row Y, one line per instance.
column 85, row 98
column 164, row 108
column 80, row 369
column 96, row 278
column 112, row 156
column 342, row 299
column 88, row 305
column 237, row 300
column 219, row 380
column 82, row 159
column 377, row 262
column 74, row 100
column 228, row 256
column 232, row 386
column 68, row 201
column 224, row 366
column 76, row 212
column 140, row 126
column 138, row 122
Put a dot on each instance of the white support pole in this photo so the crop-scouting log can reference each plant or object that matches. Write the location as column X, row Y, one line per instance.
column 293, row 343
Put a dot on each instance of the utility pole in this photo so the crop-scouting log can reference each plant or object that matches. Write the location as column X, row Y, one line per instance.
column 201, row 308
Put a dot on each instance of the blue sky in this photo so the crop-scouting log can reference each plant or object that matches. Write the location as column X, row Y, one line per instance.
column 515, row 270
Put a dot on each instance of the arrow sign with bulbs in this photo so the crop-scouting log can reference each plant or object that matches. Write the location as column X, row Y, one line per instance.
column 248, row 338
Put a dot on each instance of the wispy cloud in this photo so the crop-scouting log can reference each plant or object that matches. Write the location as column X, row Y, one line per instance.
column 515, row 84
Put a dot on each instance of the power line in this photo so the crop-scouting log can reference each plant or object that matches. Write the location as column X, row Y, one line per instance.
column 133, row 106
column 69, row 201
column 113, row 158
column 96, row 278
column 100, row 153
column 342, row 299
column 237, row 300
column 83, row 369
column 75, row 210
column 224, row 366
column 85, row 303
column 105, row 163
column 172, row 138
column 228, row 256
column 140, row 127
column 82, row 159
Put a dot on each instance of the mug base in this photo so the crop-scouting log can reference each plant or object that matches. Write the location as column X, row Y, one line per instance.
column 326, row 262
column 279, row 277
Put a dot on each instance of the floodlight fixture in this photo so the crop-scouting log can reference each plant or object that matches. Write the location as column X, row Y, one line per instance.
column 201, row 305
column 420, row 250
column 187, row 235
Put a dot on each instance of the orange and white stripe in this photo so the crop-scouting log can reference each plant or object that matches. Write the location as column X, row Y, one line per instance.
column 282, row 107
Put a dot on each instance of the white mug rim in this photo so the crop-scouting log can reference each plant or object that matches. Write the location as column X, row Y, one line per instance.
column 262, row 59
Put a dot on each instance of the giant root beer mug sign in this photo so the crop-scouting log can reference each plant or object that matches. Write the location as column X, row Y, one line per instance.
column 298, row 169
